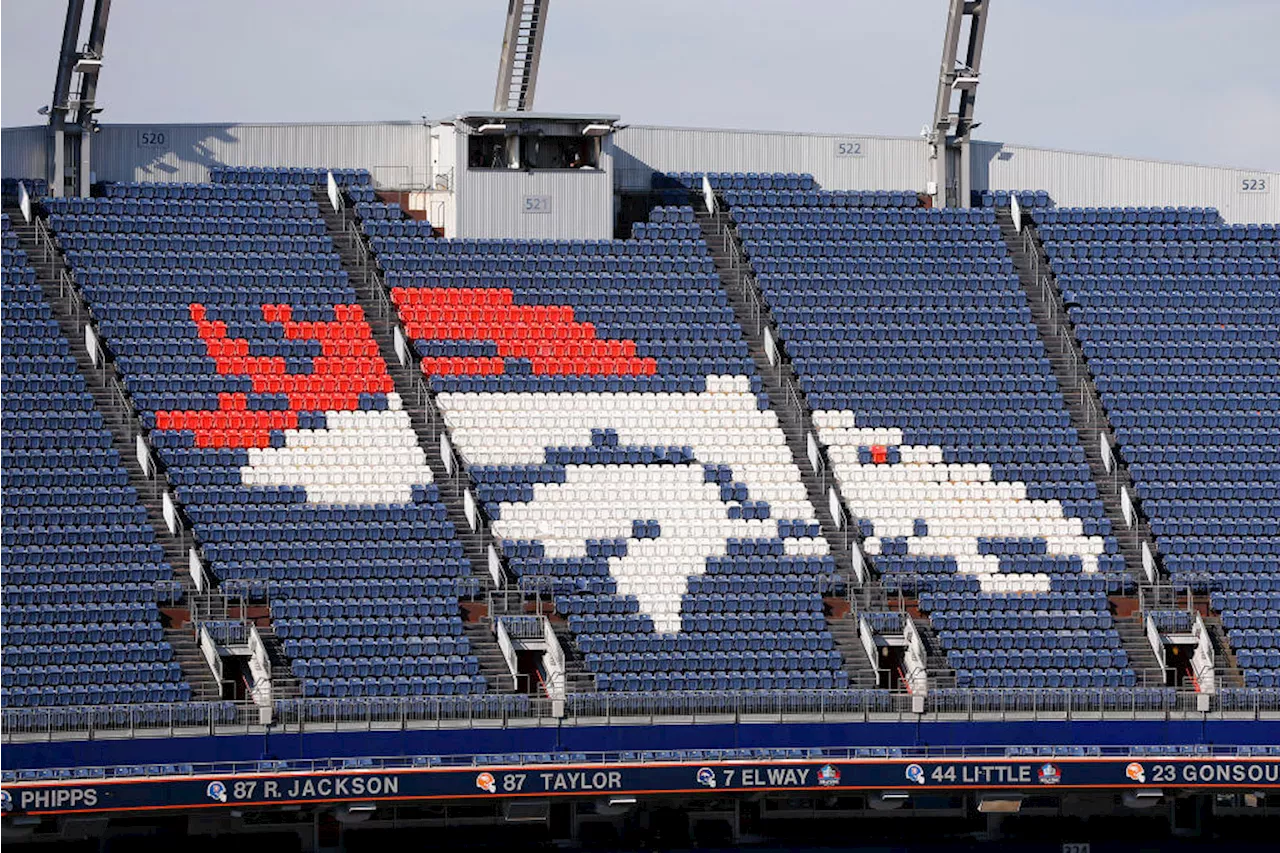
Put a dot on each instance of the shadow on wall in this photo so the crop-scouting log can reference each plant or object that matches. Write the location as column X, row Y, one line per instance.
column 630, row 174
column 981, row 156
column 198, row 150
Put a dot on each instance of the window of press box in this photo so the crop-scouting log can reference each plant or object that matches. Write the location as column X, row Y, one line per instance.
column 533, row 151
column 559, row 152
column 491, row 152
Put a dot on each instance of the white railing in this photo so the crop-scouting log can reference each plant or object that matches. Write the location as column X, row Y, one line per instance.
column 834, row 506
column 508, row 649
column 169, row 510
column 93, row 346
column 195, row 567
column 209, row 648
column 24, row 202
column 470, row 510
column 143, row 452
column 446, row 453
column 1126, row 507
column 335, row 194
column 770, row 347
column 1110, row 461
column 859, row 565
column 913, row 661
column 1203, row 659
column 553, row 657
column 401, row 346
column 495, row 568
column 1148, row 563
column 260, row 691
column 258, row 650
column 868, row 638
column 1157, row 641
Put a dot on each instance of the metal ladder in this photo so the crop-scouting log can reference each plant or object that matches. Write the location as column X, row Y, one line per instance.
column 521, row 50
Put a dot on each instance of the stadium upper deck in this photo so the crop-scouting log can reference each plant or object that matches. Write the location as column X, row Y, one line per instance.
column 637, row 482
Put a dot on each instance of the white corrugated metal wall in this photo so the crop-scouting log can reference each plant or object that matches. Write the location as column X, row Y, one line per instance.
column 568, row 204
column 543, row 205
column 1099, row 180
column 395, row 152
column 838, row 162
column 24, row 152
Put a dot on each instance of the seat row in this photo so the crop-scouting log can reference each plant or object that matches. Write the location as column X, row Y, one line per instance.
column 733, row 180
column 304, row 176
column 183, row 208
column 162, row 225
column 264, row 191
column 97, row 694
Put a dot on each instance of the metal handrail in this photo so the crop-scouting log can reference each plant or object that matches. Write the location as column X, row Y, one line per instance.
column 848, row 536
column 1082, row 386
column 303, row 715
column 109, row 378
column 458, row 481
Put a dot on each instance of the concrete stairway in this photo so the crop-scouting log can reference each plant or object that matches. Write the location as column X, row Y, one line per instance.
column 1142, row 658
column 1089, row 418
column 1227, row 667
column 493, row 666
column 284, row 684
column 576, row 677
column 795, row 419
column 1078, row 391
column 785, row 399
column 195, row 670
column 428, row 423
column 118, row 414
column 121, row 419
column 425, row 417
column 940, row 673
column 854, row 657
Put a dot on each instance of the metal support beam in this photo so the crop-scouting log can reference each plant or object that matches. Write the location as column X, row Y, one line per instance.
column 61, row 94
column 72, row 119
column 949, row 134
column 89, row 91
column 521, row 50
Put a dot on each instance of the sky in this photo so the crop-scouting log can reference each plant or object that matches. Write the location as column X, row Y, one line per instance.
column 1161, row 79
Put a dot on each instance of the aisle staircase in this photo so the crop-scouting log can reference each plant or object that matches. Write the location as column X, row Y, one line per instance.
column 119, row 416
column 428, row 423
